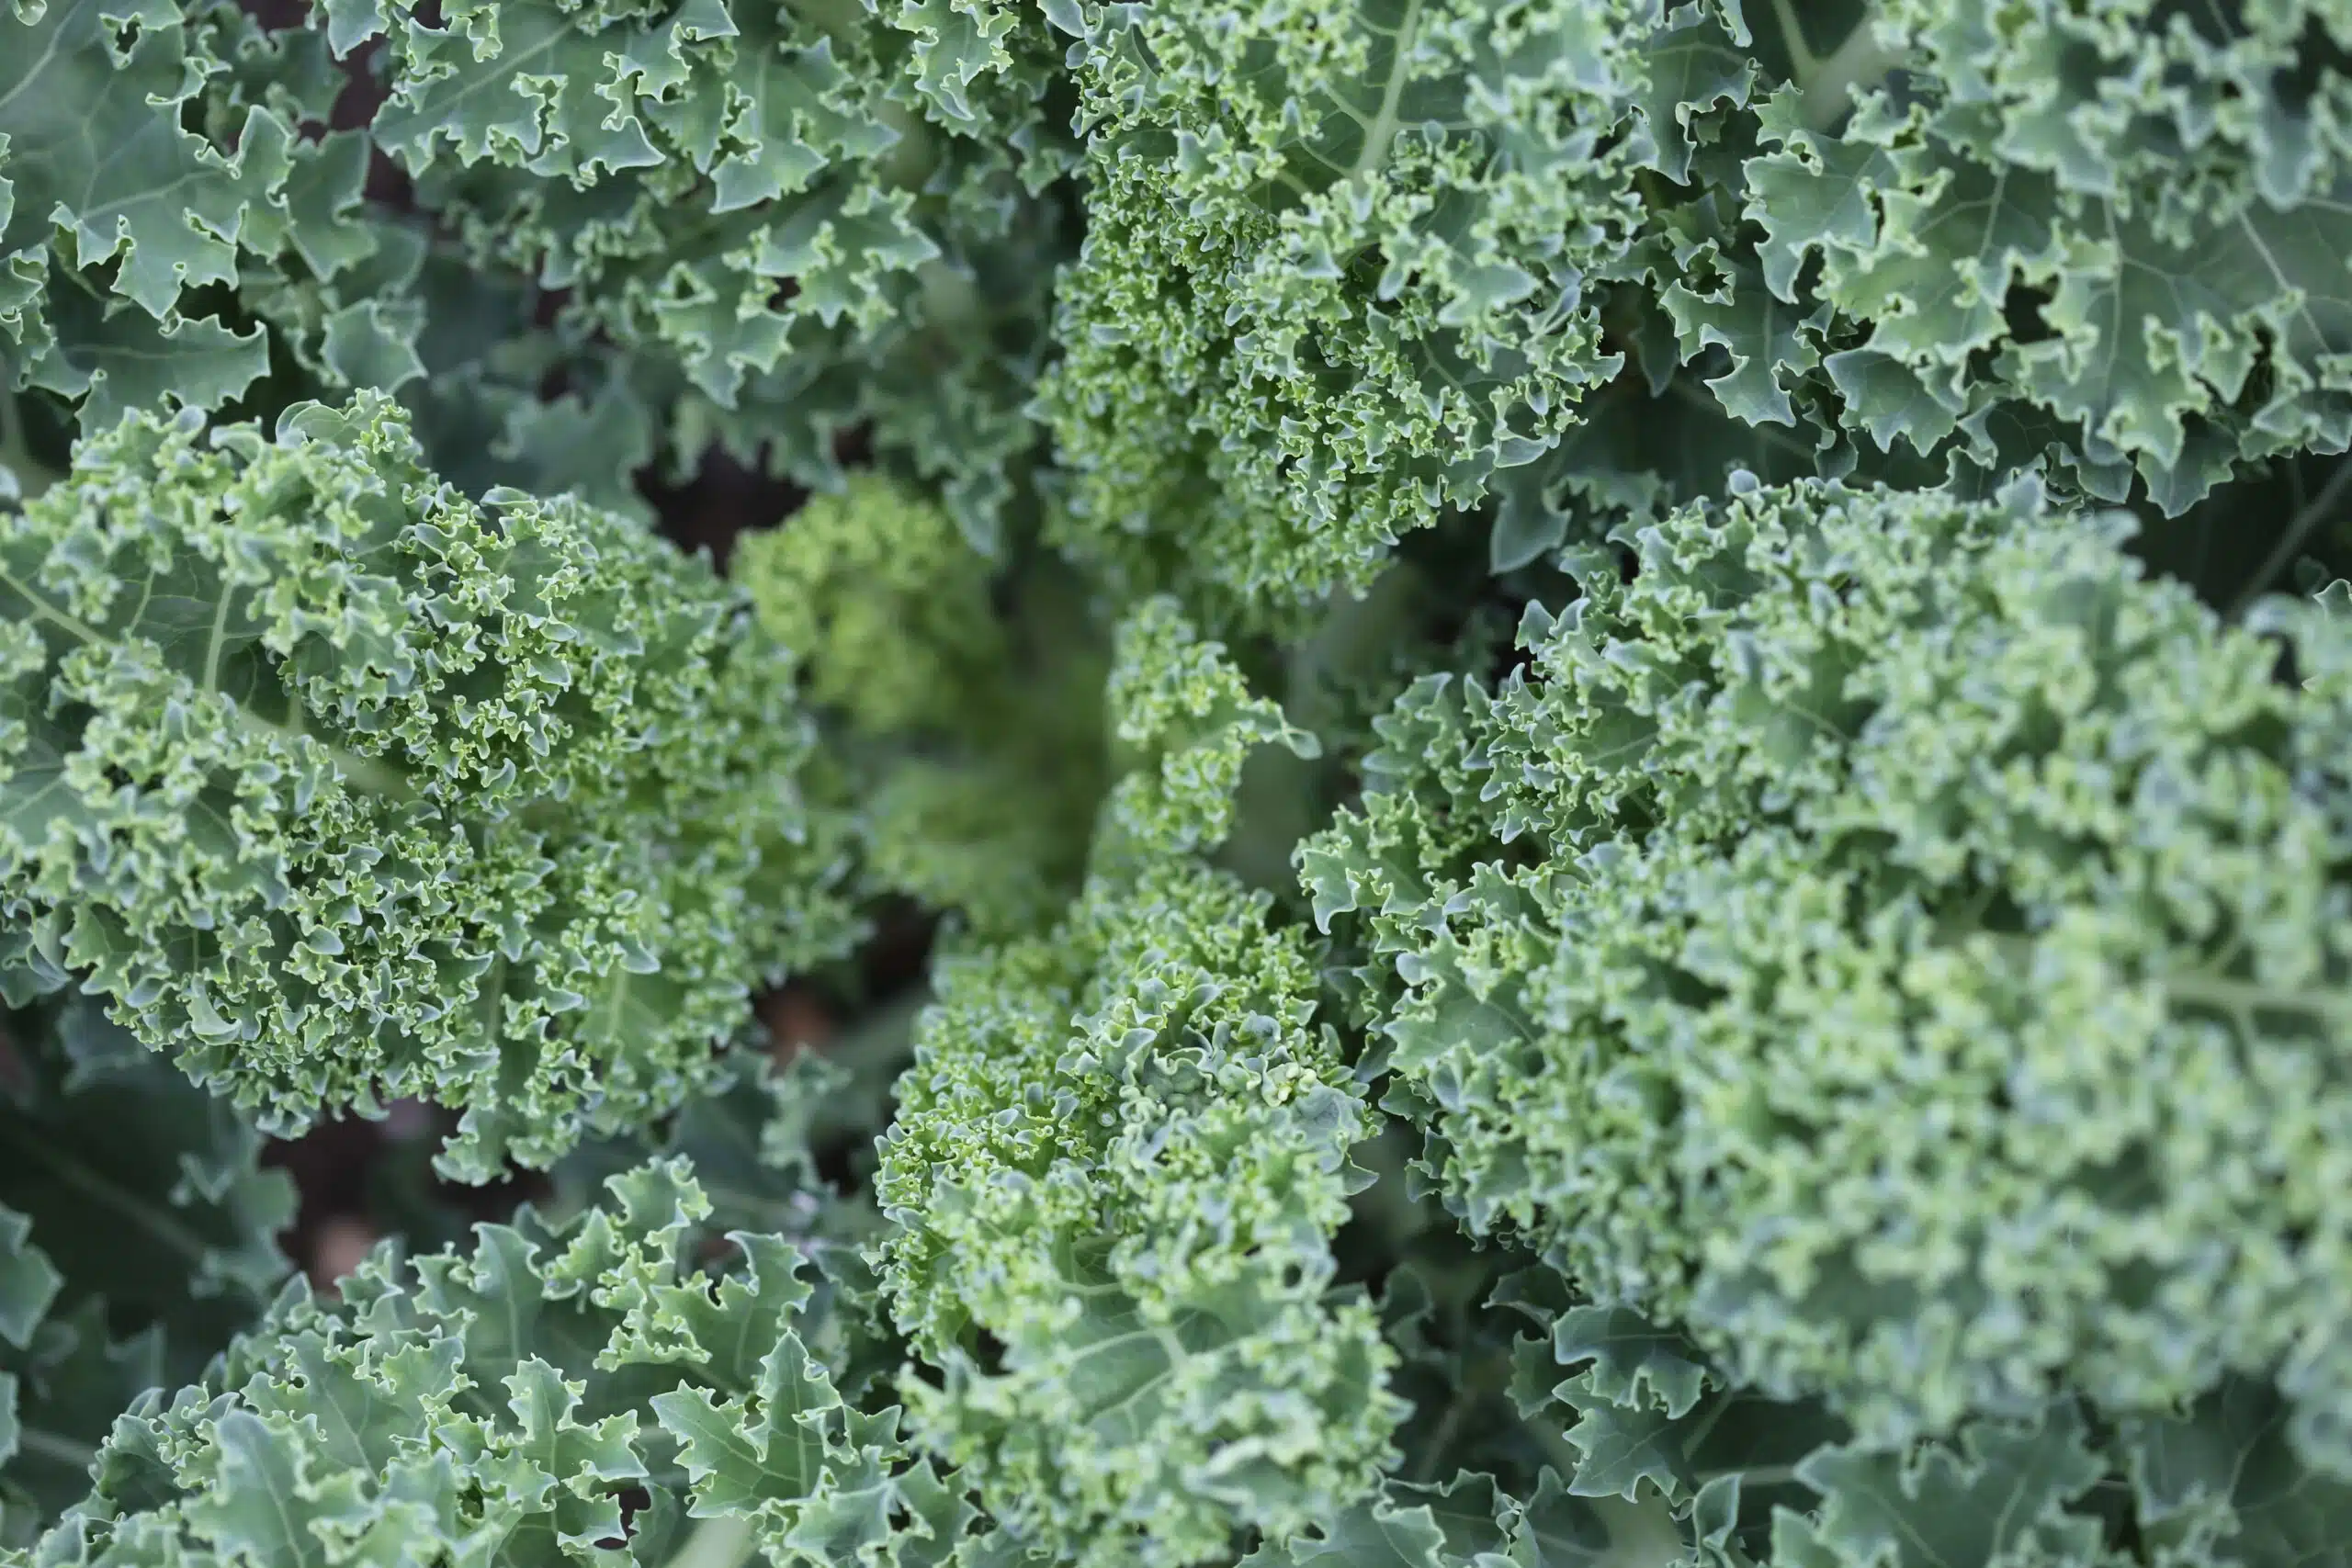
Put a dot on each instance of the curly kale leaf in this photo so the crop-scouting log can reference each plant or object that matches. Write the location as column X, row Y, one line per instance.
column 1335, row 276
column 1841, row 936
column 1348, row 268
column 1120, row 1154
column 1183, row 721
column 159, row 199
column 339, row 786
column 2190, row 109
column 584, row 1395
column 794, row 220
column 2109, row 238
column 1655, row 1459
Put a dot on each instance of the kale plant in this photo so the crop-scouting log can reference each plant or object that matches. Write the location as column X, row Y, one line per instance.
column 1561, row 784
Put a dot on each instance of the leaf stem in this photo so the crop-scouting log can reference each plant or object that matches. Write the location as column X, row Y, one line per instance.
column 78, row 1177
column 1829, row 81
column 371, row 774
column 368, row 773
column 56, row 1448
column 716, row 1543
column 2299, row 528
column 1491, row 1376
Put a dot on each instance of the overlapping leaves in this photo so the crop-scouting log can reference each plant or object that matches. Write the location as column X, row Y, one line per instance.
column 1879, row 961
column 2107, row 237
column 1334, row 275
column 1120, row 1154
column 507, row 1402
column 796, row 221
column 157, row 194
column 137, row 1235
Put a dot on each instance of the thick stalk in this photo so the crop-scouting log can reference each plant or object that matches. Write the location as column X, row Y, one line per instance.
column 2324, row 507
column 716, row 1543
column 1829, row 81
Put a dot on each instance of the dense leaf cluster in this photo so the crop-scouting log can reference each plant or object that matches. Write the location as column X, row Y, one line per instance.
column 341, row 786
column 1951, row 883
column 1532, row 782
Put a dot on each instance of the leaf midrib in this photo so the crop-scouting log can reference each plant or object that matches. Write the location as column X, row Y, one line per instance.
column 369, row 773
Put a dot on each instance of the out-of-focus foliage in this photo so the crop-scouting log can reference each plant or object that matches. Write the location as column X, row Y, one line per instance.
column 965, row 743
column 135, row 1235
column 890, row 608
